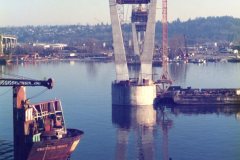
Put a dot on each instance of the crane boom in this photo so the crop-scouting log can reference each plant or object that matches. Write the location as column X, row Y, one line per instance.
column 6, row 82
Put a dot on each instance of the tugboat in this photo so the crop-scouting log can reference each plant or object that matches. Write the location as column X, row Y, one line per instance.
column 40, row 132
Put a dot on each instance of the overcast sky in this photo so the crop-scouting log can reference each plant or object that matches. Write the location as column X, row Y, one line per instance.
column 51, row 12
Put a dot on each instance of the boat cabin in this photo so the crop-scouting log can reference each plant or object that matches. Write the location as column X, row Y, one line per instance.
column 45, row 119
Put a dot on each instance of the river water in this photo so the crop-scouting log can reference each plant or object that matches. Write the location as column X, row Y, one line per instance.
column 133, row 133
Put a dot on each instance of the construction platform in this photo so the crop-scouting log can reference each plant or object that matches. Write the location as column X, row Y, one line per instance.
column 196, row 96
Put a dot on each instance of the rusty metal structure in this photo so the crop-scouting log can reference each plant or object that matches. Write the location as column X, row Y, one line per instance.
column 165, row 81
column 36, row 126
column 19, row 96
column 164, row 38
column 8, row 82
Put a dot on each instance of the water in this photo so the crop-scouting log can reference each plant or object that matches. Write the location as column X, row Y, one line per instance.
column 116, row 133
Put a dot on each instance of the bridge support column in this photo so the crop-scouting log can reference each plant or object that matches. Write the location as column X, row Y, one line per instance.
column 119, row 49
column 133, row 95
column 149, row 44
column 135, row 40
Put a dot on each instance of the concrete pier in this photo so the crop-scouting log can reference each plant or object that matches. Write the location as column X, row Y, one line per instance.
column 124, row 93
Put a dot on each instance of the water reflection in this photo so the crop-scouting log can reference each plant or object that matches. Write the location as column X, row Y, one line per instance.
column 150, row 127
column 178, row 72
column 165, row 124
column 227, row 110
column 92, row 69
column 238, row 116
column 6, row 69
column 140, row 121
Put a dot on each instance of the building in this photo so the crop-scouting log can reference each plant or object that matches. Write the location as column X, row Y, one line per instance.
column 58, row 46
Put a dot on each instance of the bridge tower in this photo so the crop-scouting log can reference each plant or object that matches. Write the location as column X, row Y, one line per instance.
column 143, row 31
column 141, row 90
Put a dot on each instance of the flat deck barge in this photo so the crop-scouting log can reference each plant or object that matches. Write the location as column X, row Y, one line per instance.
column 196, row 96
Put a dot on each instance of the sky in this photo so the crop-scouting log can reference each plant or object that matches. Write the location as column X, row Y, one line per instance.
column 58, row 12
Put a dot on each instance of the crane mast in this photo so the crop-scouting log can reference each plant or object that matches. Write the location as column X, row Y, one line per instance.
column 165, row 81
column 164, row 39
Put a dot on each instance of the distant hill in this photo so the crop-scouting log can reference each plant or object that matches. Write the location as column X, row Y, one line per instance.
column 207, row 29
column 197, row 30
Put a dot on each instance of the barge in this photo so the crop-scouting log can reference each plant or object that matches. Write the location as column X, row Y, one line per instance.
column 192, row 96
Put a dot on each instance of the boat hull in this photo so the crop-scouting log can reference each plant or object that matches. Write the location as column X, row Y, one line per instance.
column 219, row 100
column 57, row 149
column 196, row 96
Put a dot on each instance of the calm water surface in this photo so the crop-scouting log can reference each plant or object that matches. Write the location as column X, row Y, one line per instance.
column 144, row 133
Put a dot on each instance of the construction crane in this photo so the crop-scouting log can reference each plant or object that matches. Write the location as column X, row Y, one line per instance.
column 18, row 85
column 8, row 82
column 186, row 48
column 165, row 81
column 164, row 39
column 19, row 99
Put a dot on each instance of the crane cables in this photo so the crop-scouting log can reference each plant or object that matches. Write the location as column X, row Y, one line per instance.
column 17, row 76
column 38, row 94
column 23, row 77
column 2, row 94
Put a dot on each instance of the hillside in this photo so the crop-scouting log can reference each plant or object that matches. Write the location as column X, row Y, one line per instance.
column 197, row 30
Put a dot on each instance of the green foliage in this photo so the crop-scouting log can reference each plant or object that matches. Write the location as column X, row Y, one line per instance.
column 214, row 29
column 208, row 29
